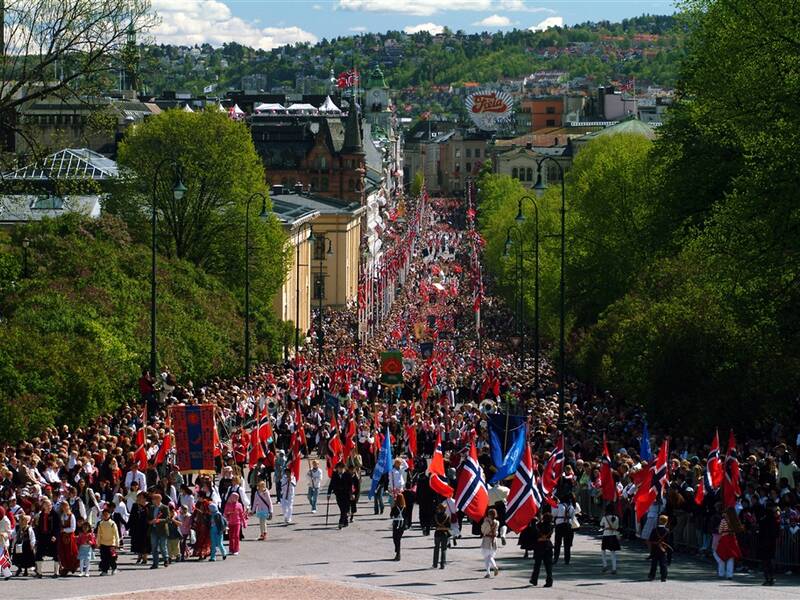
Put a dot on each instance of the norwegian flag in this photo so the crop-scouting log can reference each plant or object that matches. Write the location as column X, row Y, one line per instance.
column 256, row 449
column 217, row 442
column 164, row 448
column 436, row 469
column 730, row 482
column 607, row 483
column 653, row 487
column 553, row 468
column 264, row 426
column 712, row 478
column 411, row 436
column 472, row 496
column 300, row 427
column 347, row 79
column 295, row 456
column 526, row 494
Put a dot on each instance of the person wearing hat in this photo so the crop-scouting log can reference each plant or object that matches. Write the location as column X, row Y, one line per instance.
column 341, row 485
column 659, row 548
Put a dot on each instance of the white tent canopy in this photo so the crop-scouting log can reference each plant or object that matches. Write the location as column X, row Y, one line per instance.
column 329, row 107
column 187, row 108
column 237, row 110
column 266, row 106
column 302, row 107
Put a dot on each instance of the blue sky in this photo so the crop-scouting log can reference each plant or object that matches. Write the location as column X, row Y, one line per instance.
column 270, row 23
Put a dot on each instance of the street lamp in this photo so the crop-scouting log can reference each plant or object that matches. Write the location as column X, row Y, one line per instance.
column 262, row 215
column 321, row 238
column 26, row 242
column 178, row 191
column 539, row 188
column 520, row 218
column 518, row 339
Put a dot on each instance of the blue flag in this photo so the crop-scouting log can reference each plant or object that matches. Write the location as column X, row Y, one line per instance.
column 382, row 465
column 644, row 449
column 506, row 459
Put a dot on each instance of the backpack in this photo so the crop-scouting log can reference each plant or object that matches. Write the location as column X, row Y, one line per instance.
column 220, row 521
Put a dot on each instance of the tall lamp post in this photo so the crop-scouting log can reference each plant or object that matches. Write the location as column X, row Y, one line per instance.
column 539, row 188
column 262, row 215
column 321, row 239
column 520, row 218
column 516, row 240
column 178, row 191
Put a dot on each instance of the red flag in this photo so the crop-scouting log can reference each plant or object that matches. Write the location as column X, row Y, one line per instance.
column 472, row 497
column 553, row 468
column 712, row 478
column 411, row 434
column 440, row 486
column 140, row 456
column 525, row 496
column 437, row 460
column 217, row 443
column 730, row 482
column 607, row 483
column 294, row 461
column 164, row 448
column 256, row 450
column 652, row 488
column 264, row 426
column 300, row 426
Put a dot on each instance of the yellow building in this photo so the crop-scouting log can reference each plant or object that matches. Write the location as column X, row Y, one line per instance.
column 334, row 253
column 293, row 300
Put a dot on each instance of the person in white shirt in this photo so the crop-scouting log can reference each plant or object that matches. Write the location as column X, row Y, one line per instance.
column 314, row 475
column 135, row 475
column 288, row 485
column 397, row 478
column 610, row 526
column 567, row 510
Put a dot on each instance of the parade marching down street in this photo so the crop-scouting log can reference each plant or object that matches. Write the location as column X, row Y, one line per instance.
column 468, row 468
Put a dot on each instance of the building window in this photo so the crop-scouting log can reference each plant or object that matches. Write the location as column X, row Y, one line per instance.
column 550, row 110
column 469, row 153
column 324, row 183
column 319, row 248
column 458, row 168
column 46, row 202
column 323, row 163
column 458, row 152
column 477, row 152
column 351, row 183
column 551, row 123
column 469, row 167
column 529, row 174
column 515, row 173
column 314, row 184
column 319, row 286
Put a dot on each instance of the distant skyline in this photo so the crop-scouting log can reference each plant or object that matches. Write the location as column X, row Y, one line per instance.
column 272, row 23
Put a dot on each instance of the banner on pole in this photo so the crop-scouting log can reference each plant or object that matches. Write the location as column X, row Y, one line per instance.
column 392, row 367
column 194, row 437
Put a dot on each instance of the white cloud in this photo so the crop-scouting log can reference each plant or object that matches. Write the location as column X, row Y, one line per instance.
column 493, row 21
column 421, row 8
column 358, row 29
column 548, row 23
column 317, row 6
column 431, row 28
column 520, row 6
column 192, row 22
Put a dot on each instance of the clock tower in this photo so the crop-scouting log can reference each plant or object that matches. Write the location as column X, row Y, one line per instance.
column 376, row 102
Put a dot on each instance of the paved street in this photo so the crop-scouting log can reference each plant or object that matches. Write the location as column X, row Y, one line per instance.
column 362, row 555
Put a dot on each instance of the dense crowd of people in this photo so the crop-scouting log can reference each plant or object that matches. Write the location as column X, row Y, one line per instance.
column 70, row 499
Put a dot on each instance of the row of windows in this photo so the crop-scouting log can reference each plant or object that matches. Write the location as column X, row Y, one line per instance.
column 56, row 119
column 319, row 184
column 468, row 153
column 522, row 173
